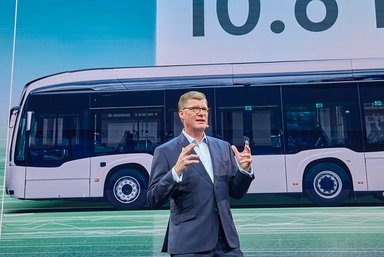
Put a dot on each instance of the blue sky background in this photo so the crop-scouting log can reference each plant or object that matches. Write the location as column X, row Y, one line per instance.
column 61, row 35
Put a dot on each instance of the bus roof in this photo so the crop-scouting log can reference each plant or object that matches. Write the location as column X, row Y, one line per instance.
column 159, row 77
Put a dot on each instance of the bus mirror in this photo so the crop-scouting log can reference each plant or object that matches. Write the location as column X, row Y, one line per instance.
column 29, row 120
column 13, row 115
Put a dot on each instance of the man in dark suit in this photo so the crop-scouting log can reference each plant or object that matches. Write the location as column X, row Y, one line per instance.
column 198, row 174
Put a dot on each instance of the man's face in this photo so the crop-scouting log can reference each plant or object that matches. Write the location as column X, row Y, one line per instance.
column 195, row 115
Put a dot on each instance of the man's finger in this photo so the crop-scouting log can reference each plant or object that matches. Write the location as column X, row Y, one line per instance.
column 192, row 157
column 246, row 147
column 188, row 162
column 234, row 149
column 186, row 150
column 245, row 154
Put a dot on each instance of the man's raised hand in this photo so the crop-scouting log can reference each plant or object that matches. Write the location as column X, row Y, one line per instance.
column 244, row 158
column 185, row 159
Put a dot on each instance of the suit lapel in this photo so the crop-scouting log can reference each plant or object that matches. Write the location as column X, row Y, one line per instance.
column 214, row 150
column 199, row 167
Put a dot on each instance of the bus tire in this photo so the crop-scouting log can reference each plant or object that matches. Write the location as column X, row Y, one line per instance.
column 327, row 184
column 126, row 189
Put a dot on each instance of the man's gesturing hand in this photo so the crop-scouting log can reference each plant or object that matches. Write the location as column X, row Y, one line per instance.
column 185, row 159
column 244, row 158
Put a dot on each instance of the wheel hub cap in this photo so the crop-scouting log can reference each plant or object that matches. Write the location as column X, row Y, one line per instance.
column 127, row 189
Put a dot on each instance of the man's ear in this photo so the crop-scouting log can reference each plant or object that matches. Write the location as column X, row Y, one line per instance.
column 181, row 115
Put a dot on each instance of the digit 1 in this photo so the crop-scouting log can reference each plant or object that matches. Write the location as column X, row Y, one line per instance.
column 227, row 25
column 301, row 15
column 379, row 4
column 198, row 18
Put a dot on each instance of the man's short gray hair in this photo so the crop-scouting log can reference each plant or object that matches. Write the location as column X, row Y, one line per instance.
column 190, row 95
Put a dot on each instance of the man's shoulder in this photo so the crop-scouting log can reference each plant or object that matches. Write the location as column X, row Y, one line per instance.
column 170, row 144
column 216, row 140
column 175, row 141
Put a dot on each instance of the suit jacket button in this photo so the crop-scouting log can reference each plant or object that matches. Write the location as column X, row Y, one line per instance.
column 215, row 210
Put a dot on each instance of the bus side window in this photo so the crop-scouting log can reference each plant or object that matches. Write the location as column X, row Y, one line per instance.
column 251, row 114
column 129, row 130
column 373, row 111
column 321, row 116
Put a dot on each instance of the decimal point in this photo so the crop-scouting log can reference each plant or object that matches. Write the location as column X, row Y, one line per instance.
column 277, row 26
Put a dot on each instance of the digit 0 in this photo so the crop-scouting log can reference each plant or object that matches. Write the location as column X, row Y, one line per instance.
column 301, row 15
column 229, row 27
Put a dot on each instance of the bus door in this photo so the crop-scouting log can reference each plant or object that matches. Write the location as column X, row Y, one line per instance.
column 253, row 114
column 56, row 152
column 372, row 103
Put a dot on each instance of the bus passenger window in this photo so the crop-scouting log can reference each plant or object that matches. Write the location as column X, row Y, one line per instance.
column 127, row 130
column 321, row 116
column 253, row 115
column 373, row 111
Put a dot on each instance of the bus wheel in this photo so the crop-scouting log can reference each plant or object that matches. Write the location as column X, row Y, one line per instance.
column 327, row 184
column 126, row 189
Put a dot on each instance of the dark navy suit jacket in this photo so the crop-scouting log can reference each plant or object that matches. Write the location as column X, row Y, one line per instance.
column 197, row 205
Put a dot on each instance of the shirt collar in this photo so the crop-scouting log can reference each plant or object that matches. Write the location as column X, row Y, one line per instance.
column 192, row 140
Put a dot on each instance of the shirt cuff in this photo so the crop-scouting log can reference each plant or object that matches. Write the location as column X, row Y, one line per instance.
column 249, row 173
column 176, row 177
column 246, row 172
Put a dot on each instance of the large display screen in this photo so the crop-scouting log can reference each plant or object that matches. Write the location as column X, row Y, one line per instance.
column 221, row 31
